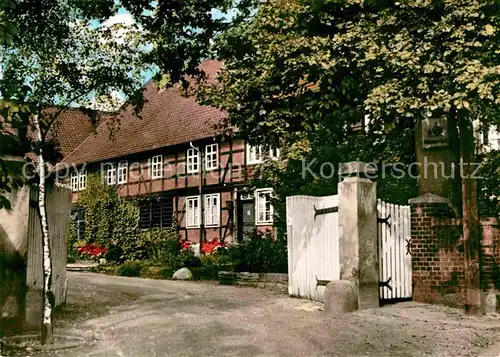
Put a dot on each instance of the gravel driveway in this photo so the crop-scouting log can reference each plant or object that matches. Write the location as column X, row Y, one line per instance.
column 120, row 316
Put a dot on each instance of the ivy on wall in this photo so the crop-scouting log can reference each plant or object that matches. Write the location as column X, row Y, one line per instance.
column 109, row 220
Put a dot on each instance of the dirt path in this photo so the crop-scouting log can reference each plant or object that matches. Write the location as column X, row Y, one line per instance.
column 139, row 317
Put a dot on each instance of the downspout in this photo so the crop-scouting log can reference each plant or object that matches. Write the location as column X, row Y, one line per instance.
column 200, row 193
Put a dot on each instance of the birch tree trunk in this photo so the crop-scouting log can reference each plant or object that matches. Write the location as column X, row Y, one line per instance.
column 47, row 333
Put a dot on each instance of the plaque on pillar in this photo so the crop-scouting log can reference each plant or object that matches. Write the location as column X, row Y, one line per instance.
column 434, row 132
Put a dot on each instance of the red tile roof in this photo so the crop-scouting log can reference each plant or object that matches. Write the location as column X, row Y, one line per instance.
column 71, row 128
column 167, row 119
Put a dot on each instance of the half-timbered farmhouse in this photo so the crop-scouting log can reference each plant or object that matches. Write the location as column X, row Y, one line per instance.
column 178, row 168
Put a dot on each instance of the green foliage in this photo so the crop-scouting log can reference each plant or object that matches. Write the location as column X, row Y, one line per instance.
column 156, row 272
column 72, row 243
column 109, row 220
column 162, row 246
column 260, row 254
column 130, row 268
column 488, row 185
column 205, row 272
column 211, row 264
column 302, row 90
column 221, row 258
column 53, row 59
column 190, row 260
column 318, row 68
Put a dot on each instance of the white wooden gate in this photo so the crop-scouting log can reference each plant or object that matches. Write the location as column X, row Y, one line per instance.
column 313, row 243
column 394, row 250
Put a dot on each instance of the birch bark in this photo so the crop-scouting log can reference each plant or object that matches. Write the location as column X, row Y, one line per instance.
column 47, row 333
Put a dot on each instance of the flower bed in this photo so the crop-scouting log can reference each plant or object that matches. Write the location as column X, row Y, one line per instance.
column 92, row 252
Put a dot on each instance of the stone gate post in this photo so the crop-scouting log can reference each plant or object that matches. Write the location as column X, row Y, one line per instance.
column 358, row 241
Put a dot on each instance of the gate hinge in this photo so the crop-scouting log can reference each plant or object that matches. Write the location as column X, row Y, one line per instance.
column 384, row 220
column 320, row 211
column 385, row 284
column 321, row 282
column 408, row 246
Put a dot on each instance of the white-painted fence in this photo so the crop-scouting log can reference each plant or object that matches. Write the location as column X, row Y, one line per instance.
column 394, row 250
column 313, row 244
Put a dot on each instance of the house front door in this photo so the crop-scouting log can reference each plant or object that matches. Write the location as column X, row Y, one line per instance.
column 246, row 217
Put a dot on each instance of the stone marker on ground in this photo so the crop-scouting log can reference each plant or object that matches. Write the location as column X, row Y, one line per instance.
column 183, row 274
column 341, row 296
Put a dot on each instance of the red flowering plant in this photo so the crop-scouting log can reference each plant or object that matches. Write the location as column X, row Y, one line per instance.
column 185, row 245
column 206, row 247
column 211, row 247
column 92, row 251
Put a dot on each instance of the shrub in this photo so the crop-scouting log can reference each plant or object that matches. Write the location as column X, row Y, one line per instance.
column 211, row 264
column 221, row 258
column 130, row 268
column 161, row 244
column 260, row 254
column 190, row 260
column 115, row 253
column 205, row 273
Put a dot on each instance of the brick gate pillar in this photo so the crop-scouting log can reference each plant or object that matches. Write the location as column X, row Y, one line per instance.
column 358, row 231
column 437, row 249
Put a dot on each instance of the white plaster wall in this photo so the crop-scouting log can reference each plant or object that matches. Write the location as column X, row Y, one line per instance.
column 14, row 222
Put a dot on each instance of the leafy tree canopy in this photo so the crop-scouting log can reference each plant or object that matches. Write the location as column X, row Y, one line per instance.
column 302, row 73
column 52, row 57
column 302, row 63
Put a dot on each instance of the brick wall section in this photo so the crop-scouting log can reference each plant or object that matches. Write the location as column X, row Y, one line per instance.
column 437, row 249
column 490, row 260
column 437, row 252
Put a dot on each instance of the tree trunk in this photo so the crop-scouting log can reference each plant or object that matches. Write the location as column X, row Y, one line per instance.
column 47, row 333
column 470, row 215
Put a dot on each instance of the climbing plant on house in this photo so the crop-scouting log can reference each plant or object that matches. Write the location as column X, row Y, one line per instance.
column 109, row 220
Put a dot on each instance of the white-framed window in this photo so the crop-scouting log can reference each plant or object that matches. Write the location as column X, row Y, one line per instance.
column 247, row 196
column 192, row 160
column 122, row 172
column 111, row 174
column 74, row 181
column 263, row 206
column 193, row 212
column 82, row 179
column 211, row 156
column 78, row 180
column 212, row 210
column 157, row 166
column 255, row 154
